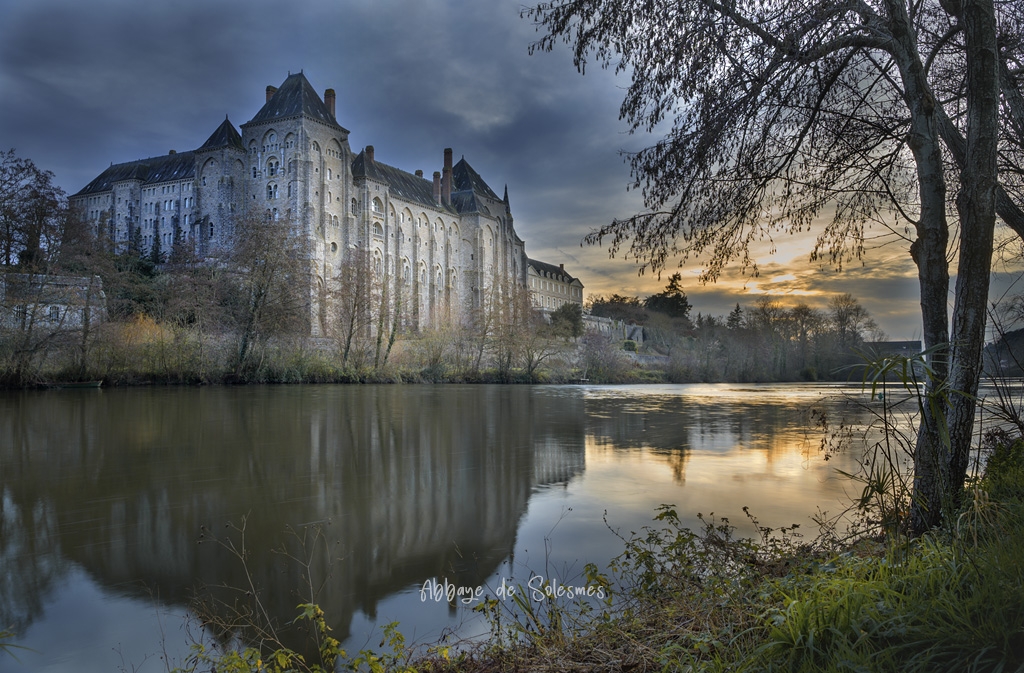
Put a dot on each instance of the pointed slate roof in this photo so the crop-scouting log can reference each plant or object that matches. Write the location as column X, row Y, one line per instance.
column 226, row 135
column 180, row 166
column 403, row 185
column 464, row 178
column 465, row 202
column 296, row 97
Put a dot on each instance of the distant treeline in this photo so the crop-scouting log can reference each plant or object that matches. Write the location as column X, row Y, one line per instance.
column 765, row 341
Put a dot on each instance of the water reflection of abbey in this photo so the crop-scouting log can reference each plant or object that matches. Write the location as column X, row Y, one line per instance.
column 405, row 482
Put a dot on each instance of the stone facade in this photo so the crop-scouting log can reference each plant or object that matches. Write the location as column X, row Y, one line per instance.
column 442, row 243
column 49, row 303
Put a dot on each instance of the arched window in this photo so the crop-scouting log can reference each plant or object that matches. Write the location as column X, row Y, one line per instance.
column 354, row 206
column 272, row 191
column 329, row 174
column 378, row 230
column 254, row 173
column 378, row 207
column 377, row 264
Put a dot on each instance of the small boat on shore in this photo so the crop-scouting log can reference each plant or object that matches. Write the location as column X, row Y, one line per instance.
column 75, row 384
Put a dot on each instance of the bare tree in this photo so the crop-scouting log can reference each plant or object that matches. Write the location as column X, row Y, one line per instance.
column 806, row 323
column 270, row 265
column 779, row 112
column 353, row 305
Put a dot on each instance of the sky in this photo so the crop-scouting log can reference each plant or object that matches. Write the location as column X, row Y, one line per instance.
column 87, row 84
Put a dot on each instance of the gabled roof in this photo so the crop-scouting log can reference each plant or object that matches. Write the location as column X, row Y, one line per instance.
column 295, row 98
column 364, row 168
column 180, row 166
column 405, row 186
column 551, row 270
column 226, row 135
column 464, row 178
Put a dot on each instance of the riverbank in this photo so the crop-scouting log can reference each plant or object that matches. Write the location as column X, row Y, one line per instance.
column 144, row 352
column 706, row 601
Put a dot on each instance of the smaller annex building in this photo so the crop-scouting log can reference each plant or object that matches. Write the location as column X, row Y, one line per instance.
column 550, row 285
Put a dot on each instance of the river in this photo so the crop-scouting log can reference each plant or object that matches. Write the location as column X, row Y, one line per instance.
column 117, row 506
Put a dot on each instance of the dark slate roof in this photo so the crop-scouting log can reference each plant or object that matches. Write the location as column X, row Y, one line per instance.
column 405, row 186
column 465, row 202
column 180, row 166
column 551, row 270
column 226, row 135
column 295, row 97
column 464, row 178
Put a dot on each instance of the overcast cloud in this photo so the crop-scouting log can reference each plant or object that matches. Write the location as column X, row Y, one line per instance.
column 88, row 84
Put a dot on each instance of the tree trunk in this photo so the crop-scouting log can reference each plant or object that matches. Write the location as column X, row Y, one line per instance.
column 976, row 204
column 929, row 254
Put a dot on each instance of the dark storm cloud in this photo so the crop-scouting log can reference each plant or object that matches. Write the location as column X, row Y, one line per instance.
column 90, row 83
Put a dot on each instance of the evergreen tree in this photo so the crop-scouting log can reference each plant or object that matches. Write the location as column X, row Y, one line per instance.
column 672, row 300
column 735, row 319
column 156, row 254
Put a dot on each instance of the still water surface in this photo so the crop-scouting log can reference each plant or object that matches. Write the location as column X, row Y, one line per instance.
column 108, row 499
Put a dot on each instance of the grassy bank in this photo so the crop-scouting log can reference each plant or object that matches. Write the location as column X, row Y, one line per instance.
column 705, row 601
column 143, row 351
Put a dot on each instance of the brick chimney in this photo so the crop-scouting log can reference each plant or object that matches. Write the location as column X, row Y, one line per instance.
column 329, row 100
column 446, row 177
column 271, row 90
column 369, row 153
column 437, row 186
column 419, row 173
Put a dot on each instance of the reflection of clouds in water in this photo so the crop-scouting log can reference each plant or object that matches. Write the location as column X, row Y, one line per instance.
column 726, row 445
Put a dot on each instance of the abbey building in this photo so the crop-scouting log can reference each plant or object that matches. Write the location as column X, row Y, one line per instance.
column 445, row 241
